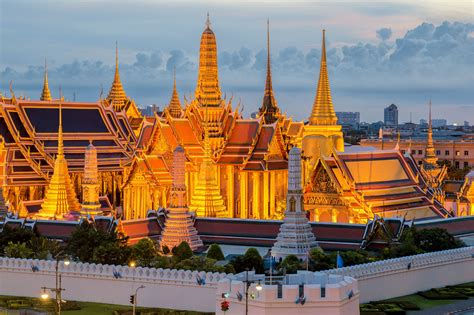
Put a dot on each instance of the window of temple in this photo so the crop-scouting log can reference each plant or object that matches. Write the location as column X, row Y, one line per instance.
column 446, row 152
column 466, row 153
column 466, row 164
column 420, row 152
column 458, row 153
column 438, row 152
column 413, row 152
column 457, row 164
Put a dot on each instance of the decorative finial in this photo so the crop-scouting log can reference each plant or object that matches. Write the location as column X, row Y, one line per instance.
column 208, row 21
column 116, row 57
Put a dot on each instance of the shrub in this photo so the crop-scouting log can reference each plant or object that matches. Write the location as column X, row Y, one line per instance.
column 144, row 251
column 17, row 250
column 250, row 260
column 215, row 252
column 290, row 264
column 182, row 251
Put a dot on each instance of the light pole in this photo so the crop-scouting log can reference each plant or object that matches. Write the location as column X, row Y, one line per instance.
column 134, row 298
column 57, row 290
column 248, row 283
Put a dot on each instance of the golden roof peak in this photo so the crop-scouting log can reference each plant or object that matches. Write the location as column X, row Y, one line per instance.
column 208, row 22
column 46, row 93
column 174, row 106
column 207, row 88
column 430, row 154
column 117, row 94
column 323, row 109
column 269, row 109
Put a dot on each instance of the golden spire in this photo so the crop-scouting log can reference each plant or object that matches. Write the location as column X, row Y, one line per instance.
column 207, row 200
column 175, row 105
column 323, row 110
column 207, row 88
column 60, row 197
column 46, row 94
column 117, row 94
column 430, row 154
column 269, row 109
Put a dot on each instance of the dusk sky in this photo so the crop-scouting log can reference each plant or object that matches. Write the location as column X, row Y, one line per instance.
column 379, row 52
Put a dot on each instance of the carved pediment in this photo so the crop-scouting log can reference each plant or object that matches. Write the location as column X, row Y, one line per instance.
column 322, row 183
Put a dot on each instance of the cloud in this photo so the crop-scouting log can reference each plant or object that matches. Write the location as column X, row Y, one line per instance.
column 149, row 60
column 179, row 61
column 384, row 33
column 237, row 59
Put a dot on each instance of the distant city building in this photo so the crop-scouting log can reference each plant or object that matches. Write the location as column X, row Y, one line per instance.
column 436, row 123
column 348, row 118
column 423, row 122
column 149, row 111
column 466, row 123
column 390, row 115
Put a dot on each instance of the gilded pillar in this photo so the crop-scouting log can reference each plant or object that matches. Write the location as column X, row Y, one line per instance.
column 244, row 211
column 272, row 194
column 256, row 207
column 230, row 190
column 266, row 188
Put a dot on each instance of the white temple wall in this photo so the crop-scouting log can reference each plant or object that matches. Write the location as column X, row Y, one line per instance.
column 408, row 275
column 174, row 289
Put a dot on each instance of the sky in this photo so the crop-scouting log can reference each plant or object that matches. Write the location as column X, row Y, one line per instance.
column 379, row 52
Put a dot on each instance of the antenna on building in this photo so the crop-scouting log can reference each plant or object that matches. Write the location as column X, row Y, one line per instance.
column 410, row 118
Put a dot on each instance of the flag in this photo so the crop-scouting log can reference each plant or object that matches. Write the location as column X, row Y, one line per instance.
column 339, row 261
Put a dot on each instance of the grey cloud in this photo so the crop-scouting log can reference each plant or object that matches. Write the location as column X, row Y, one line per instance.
column 179, row 61
column 237, row 59
column 384, row 33
column 151, row 60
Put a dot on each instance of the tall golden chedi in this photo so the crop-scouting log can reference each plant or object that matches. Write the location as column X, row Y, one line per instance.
column 322, row 135
column 90, row 183
column 179, row 225
column 60, row 198
column 174, row 108
column 269, row 109
column 207, row 200
column 46, row 93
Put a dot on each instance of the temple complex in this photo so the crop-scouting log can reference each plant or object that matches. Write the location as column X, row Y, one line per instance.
column 179, row 225
column 119, row 162
column 295, row 237
column 60, row 197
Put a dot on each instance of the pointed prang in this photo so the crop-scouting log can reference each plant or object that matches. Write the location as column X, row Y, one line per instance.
column 175, row 105
column 430, row 154
column 117, row 94
column 46, row 94
column 323, row 109
column 60, row 132
column 269, row 109
column 208, row 22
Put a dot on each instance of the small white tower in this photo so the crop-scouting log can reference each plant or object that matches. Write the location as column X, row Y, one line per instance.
column 179, row 225
column 295, row 237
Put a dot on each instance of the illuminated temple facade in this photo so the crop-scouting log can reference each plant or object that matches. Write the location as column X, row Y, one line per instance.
column 234, row 167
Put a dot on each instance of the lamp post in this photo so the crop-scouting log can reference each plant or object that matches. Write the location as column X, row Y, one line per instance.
column 248, row 283
column 135, row 299
column 57, row 290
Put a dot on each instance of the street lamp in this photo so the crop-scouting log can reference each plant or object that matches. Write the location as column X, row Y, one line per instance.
column 57, row 290
column 248, row 283
column 133, row 299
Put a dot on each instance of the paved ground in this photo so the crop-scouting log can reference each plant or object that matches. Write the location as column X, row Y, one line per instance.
column 464, row 307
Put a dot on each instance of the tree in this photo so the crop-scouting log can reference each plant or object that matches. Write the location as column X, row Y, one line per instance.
column 250, row 260
column 14, row 235
column 43, row 248
column 355, row 257
column 199, row 263
column 215, row 252
column 318, row 260
column 290, row 264
column 88, row 244
column 17, row 250
column 161, row 262
column 165, row 250
column 182, row 251
column 431, row 240
column 144, row 252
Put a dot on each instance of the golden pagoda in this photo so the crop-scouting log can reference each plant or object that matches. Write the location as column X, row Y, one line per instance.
column 431, row 171
column 117, row 96
column 207, row 200
column 90, row 182
column 322, row 135
column 45, row 94
column 269, row 109
column 60, row 197
column 179, row 225
column 174, row 107
column 207, row 90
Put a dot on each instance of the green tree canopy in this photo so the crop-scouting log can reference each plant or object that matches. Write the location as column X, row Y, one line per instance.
column 182, row 251
column 215, row 252
column 144, row 252
column 290, row 264
column 250, row 260
column 18, row 250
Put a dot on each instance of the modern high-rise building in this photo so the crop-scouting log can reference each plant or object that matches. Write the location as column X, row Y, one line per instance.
column 390, row 115
column 348, row 118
